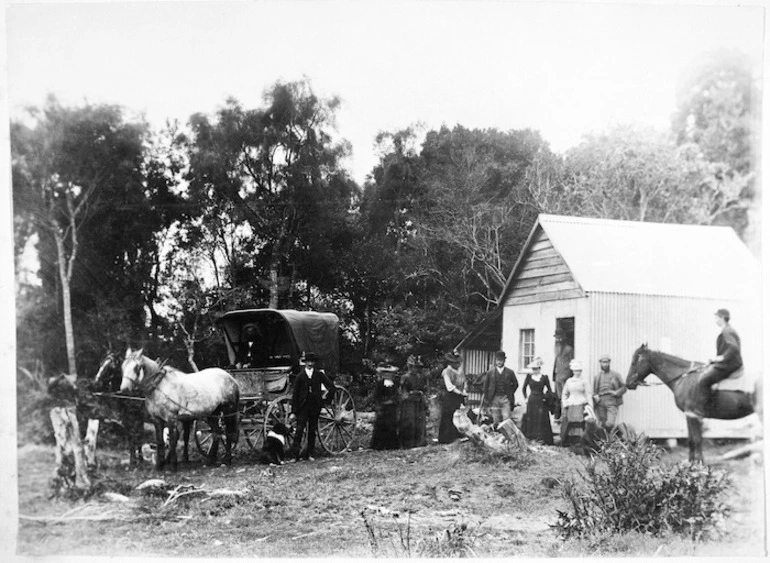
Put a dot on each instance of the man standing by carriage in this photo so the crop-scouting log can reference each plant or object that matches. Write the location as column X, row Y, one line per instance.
column 727, row 361
column 306, row 402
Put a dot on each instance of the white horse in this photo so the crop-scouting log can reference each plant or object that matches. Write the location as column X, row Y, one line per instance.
column 172, row 395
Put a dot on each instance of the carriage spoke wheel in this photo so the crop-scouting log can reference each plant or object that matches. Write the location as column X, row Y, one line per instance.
column 337, row 423
column 204, row 437
column 279, row 411
column 253, row 424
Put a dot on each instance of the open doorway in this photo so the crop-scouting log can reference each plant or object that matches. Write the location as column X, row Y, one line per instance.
column 567, row 324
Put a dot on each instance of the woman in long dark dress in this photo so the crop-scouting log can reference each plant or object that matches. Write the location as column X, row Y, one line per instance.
column 386, row 400
column 413, row 411
column 455, row 391
column 537, row 421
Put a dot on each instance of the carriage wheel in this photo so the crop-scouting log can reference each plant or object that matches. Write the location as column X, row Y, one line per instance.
column 279, row 411
column 253, row 424
column 337, row 423
column 204, row 437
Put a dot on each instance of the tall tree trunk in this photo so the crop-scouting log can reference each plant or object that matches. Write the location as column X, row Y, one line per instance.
column 65, row 275
column 273, row 304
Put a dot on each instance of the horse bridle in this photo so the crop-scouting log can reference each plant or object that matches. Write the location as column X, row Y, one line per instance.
column 146, row 383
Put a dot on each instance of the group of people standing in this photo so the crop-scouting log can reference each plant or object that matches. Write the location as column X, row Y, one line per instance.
column 570, row 404
column 401, row 407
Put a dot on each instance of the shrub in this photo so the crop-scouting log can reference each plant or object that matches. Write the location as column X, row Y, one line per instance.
column 624, row 488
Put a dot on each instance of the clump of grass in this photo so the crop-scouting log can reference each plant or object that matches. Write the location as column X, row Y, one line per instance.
column 625, row 489
column 458, row 540
column 515, row 460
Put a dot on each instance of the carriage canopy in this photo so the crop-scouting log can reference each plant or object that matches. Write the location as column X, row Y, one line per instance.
column 285, row 335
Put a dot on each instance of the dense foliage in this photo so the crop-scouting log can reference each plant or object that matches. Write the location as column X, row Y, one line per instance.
column 625, row 489
column 144, row 237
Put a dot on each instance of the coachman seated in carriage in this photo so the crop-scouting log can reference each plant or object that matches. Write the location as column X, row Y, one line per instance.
column 251, row 349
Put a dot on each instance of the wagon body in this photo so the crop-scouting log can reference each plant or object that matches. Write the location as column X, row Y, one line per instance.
column 265, row 385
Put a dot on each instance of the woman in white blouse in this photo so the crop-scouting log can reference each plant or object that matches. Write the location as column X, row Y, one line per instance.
column 574, row 399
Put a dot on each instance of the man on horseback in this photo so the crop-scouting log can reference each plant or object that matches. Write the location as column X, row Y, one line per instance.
column 727, row 361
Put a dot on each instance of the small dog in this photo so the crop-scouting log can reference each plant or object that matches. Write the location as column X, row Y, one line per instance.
column 275, row 444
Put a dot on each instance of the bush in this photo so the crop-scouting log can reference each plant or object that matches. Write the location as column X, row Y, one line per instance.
column 625, row 489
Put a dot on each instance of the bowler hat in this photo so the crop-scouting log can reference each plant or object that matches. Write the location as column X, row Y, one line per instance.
column 309, row 357
column 500, row 355
column 453, row 357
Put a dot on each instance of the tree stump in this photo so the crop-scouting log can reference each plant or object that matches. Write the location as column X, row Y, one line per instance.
column 89, row 444
column 509, row 440
column 70, row 472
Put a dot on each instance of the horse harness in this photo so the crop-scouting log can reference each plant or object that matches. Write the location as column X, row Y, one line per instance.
column 150, row 383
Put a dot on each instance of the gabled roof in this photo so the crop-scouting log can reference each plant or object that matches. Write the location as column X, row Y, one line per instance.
column 649, row 258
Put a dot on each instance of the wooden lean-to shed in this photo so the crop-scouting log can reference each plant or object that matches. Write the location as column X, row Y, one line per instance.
column 612, row 285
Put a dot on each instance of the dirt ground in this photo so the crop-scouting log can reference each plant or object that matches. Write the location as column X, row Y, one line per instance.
column 431, row 501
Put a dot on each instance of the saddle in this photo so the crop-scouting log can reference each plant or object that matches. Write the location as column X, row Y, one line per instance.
column 736, row 381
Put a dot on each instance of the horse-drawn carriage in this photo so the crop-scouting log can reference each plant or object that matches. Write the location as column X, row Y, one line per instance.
column 279, row 338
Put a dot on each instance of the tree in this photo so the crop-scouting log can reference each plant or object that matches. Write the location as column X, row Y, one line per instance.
column 718, row 118
column 628, row 173
column 476, row 204
column 278, row 170
column 62, row 167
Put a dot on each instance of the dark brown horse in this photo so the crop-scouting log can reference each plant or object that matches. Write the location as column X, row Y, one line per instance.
column 682, row 376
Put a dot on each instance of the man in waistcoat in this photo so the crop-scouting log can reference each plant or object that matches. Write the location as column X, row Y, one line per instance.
column 608, row 394
column 498, row 388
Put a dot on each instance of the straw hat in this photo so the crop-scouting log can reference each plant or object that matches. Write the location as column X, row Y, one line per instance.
column 576, row 365
column 536, row 363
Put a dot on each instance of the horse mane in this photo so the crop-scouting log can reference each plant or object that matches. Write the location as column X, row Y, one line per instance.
column 676, row 360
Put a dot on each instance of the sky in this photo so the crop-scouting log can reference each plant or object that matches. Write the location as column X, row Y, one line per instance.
column 564, row 69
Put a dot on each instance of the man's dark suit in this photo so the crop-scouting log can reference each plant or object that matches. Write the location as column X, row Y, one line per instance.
column 306, row 402
column 507, row 380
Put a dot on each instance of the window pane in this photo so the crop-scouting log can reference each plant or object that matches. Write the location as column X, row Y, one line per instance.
column 526, row 347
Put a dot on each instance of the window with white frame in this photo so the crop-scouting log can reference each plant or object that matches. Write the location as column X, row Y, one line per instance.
column 526, row 347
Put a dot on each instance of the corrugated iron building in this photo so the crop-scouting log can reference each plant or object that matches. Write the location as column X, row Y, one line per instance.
column 613, row 285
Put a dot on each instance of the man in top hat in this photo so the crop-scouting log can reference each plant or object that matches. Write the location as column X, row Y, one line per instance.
column 563, row 354
column 498, row 388
column 727, row 361
column 608, row 394
column 306, row 402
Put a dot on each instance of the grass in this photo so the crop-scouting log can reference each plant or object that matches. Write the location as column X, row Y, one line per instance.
column 316, row 509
